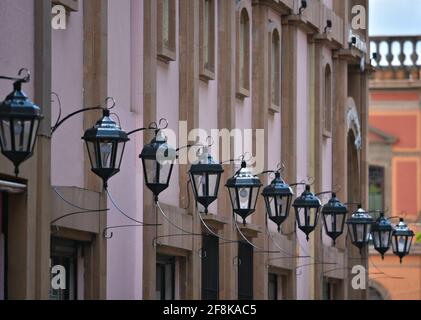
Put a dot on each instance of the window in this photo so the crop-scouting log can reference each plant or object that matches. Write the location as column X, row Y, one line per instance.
column 331, row 289
column 65, row 253
column 376, row 188
column 165, row 278
column 327, row 108
column 210, row 268
column 245, row 271
column 274, row 69
column 207, row 39
column 3, row 224
column 273, row 287
column 166, row 30
column 243, row 54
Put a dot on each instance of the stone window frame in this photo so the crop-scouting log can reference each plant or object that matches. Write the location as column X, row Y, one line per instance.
column 274, row 29
column 327, row 114
column 207, row 50
column 243, row 51
column 166, row 48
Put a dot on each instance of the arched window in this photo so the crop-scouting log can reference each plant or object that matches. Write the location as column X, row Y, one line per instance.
column 275, row 72
column 327, row 112
column 243, row 54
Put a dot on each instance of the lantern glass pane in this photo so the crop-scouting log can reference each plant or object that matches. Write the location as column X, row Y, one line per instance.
column 282, row 205
column 271, row 207
column 164, row 172
column 34, row 134
column 6, row 138
column 378, row 239
column 213, row 184
column 329, row 223
column 119, row 155
column 408, row 244
column 254, row 195
column 21, row 134
column 244, row 194
column 150, row 166
column 92, row 154
column 385, row 237
column 307, row 217
column 106, row 150
column 360, row 229
column 233, row 196
column 200, row 184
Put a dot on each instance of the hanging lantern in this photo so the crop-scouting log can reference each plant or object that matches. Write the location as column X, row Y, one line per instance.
column 402, row 240
column 105, row 143
column 158, row 161
column 19, row 123
column 277, row 197
column 243, row 190
column 205, row 177
column 334, row 215
column 307, row 207
column 381, row 233
column 359, row 227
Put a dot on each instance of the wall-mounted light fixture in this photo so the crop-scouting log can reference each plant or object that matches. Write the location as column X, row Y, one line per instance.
column 19, row 123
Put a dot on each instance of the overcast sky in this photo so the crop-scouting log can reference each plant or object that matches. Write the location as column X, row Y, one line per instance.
column 395, row 17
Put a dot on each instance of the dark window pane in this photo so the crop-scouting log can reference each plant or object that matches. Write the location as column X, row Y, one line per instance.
column 273, row 287
column 245, row 271
column 210, row 268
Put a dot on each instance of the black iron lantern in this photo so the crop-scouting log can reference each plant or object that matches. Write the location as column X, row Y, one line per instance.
column 334, row 215
column 359, row 228
column 243, row 190
column 158, row 161
column 402, row 240
column 381, row 233
column 205, row 177
column 19, row 123
column 105, row 143
column 278, row 197
column 307, row 208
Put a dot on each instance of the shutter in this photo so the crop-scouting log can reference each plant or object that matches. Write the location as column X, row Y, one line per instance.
column 210, row 268
column 245, row 271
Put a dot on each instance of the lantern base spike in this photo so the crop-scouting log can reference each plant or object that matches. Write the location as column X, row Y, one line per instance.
column 279, row 228
column 16, row 171
column 308, row 238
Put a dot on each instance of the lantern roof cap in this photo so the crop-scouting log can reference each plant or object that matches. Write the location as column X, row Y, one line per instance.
column 402, row 229
column 382, row 224
column 334, row 206
column 206, row 163
column 243, row 178
column 307, row 199
column 360, row 217
column 278, row 187
column 18, row 105
column 107, row 129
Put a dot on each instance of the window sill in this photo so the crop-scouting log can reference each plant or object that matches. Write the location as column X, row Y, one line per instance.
column 327, row 134
column 206, row 74
column 242, row 93
column 274, row 108
column 167, row 55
